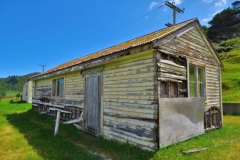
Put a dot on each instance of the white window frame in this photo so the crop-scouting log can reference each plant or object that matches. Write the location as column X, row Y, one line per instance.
column 61, row 92
column 196, row 86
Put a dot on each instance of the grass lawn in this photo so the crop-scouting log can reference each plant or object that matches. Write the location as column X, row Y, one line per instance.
column 25, row 134
column 231, row 76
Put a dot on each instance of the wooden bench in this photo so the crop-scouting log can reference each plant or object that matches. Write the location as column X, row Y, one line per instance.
column 58, row 118
column 63, row 108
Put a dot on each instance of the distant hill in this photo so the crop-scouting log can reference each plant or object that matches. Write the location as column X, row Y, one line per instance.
column 14, row 82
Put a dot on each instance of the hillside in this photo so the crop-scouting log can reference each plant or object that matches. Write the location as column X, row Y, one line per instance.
column 15, row 83
column 231, row 75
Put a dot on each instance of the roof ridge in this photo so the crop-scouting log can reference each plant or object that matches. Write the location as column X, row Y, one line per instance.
column 131, row 40
column 121, row 46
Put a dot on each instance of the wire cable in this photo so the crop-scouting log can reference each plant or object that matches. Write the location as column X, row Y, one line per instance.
column 103, row 36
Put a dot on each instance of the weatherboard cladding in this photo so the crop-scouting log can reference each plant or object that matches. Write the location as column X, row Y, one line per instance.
column 192, row 45
column 129, row 100
column 73, row 89
column 120, row 47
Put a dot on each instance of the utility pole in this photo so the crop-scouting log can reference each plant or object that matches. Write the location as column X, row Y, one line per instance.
column 175, row 9
column 42, row 66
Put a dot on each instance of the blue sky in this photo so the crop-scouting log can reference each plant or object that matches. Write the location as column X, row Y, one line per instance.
column 52, row 32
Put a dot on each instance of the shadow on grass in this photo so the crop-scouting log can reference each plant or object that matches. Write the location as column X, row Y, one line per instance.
column 38, row 130
column 17, row 101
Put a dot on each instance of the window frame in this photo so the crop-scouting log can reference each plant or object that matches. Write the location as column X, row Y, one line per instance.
column 63, row 92
column 196, row 82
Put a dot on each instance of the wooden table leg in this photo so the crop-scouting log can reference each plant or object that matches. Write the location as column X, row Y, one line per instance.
column 57, row 123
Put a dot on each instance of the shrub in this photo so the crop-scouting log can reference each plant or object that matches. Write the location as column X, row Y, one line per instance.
column 18, row 95
column 225, row 85
column 228, row 45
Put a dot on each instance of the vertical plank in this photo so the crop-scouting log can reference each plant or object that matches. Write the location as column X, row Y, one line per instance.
column 206, row 120
column 188, row 83
column 210, row 117
column 57, row 123
column 196, row 80
column 220, row 86
column 158, row 59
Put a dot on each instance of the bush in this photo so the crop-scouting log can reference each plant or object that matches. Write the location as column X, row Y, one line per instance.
column 225, row 85
column 18, row 95
column 228, row 45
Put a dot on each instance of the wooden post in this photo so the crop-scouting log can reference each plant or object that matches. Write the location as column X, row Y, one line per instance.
column 210, row 117
column 196, row 82
column 188, row 80
column 220, row 85
column 57, row 123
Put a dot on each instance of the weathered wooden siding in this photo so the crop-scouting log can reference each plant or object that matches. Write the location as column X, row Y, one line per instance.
column 73, row 93
column 43, row 88
column 130, row 100
column 192, row 45
column 74, row 84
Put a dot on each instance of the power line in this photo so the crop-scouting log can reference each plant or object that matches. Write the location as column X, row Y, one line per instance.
column 140, row 29
column 175, row 10
column 111, row 32
column 115, row 31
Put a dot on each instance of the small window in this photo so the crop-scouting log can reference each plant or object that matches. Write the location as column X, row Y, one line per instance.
column 58, row 87
column 196, row 81
column 173, row 81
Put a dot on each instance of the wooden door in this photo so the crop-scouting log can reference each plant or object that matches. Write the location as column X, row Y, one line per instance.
column 92, row 104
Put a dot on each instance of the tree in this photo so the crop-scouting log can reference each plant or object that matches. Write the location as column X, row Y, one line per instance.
column 226, row 24
column 236, row 5
column 205, row 29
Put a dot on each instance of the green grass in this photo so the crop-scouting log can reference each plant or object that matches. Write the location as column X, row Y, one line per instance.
column 25, row 134
column 231, row 76
column 218, row 142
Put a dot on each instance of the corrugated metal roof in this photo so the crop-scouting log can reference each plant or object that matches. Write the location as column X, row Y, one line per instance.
column 123, row 46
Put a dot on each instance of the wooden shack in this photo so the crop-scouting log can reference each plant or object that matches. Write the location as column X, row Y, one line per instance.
column 152, row 91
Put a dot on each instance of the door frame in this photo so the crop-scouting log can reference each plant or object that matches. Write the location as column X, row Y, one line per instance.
column 87, row 73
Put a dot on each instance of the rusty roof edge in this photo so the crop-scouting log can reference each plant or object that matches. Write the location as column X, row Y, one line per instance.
column 161, row 36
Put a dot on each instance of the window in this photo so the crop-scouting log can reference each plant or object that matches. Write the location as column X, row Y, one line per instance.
column 58, row 87
column 196, row 81
column 173, row 76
